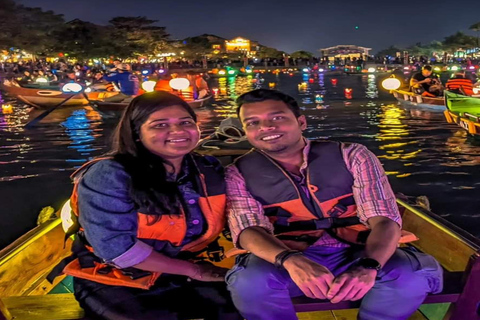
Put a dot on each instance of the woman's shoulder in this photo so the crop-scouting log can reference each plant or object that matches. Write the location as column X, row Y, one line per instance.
column 106, row 172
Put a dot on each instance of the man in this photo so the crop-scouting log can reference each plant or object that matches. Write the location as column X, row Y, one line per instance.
column 278, row 196
column 460, row 84
column 426, row 83
column 127, row 82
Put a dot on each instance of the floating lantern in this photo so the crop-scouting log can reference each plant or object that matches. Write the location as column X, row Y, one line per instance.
column 254, row 80
column 306, row 70
column 271, row 84
column 311, row 80
column 437, row 69
column 318, row 98
column 391, row 83
column 77, row 74
column 7, row 109
column 454, row 68
column 161, row 71
column 215, row 91
column 334, row 81
column 149, row 86
column 290, row 74
column 88, row 90
column 231, row 72
column 179, row 83
column 145, row 72
column 371, row 70
column 72, row 88
column 348, row 90
column 320, row 70
column 222, row 72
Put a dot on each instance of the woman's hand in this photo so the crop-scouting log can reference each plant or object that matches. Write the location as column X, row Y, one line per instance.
column 208, row 273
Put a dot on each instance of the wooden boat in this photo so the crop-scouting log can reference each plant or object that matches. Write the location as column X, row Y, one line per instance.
column 26, row 295
column 460, row 104
column 408, row 98
column 465, row 120
column 44, row 97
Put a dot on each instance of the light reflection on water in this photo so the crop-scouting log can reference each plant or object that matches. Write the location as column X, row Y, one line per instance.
column 420, row 152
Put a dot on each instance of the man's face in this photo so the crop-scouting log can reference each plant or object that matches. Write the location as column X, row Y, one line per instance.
column 426, row 73
column 271, row 126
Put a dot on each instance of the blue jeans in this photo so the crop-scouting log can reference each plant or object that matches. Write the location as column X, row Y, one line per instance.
column 260, row 291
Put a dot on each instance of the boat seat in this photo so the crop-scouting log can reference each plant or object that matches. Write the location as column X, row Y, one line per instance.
column 63, row 306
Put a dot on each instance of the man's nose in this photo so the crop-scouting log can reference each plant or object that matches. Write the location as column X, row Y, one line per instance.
column 266, row 125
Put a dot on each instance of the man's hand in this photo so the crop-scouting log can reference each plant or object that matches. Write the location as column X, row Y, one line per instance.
column 352, row 285
column 312, row 278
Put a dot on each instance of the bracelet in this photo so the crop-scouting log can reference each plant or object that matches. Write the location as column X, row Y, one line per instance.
column 283, row 256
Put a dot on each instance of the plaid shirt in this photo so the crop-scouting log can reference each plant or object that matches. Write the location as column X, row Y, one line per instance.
column 371, row 190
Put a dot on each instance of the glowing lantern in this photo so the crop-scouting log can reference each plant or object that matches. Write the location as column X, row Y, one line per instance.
column 179, row 83
column 161, row 71
column 306, row 70
column 320, row 70
column 319, row 98
column 66, row 216
column 7, row 109
column 41, row 80
column 348, row 90
column 334, row 81
column 311, row 80
column 391, row 84
column 221, row 72
column 290, row 74
column 249, row 71
column 231, row 72
column 254, row 80
column 88, row 90
column 72, row 88
column 149, row 86
column 471, row 68
column 145, row 72
column 371, row 70
column 215, row 91
column 437, row 69
column 454, row 68
column 271, row 84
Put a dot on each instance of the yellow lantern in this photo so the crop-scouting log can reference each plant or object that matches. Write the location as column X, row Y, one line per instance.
column 391, row 83
column 7, row 109
column 179, row 83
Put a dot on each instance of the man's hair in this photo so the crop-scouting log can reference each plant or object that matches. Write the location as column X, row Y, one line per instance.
column 260, row 95
column 428, row 68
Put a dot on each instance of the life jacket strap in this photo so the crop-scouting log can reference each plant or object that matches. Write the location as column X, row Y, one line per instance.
column 317, row 224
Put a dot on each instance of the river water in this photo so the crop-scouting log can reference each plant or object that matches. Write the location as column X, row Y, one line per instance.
column 421, row 153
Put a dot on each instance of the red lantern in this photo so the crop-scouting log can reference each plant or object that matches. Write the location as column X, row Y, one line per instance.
column 348, row 90
column 311, row 80
column 334, row 81
column 215, row 91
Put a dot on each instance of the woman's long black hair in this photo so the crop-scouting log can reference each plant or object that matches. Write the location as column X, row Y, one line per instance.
column 149, row 186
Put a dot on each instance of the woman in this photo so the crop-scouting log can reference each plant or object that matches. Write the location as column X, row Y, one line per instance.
column 147, row 211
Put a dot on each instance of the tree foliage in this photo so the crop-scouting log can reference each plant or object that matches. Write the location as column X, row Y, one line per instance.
column 301, row 55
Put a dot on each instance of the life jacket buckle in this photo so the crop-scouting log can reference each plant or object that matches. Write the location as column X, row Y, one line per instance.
column 216, row 255
column 337, row 210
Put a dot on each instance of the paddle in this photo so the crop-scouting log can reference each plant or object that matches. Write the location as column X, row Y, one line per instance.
column 46, row 113
column 95, row 107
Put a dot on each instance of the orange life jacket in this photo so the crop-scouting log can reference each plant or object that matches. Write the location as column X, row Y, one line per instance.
column 329, row 207
column 170, row 228
column 460, row 84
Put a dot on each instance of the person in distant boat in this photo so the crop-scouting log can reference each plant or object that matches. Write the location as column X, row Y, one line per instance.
column 460, row 84
column 100, row 84
column 426, row 83
column 198, row 85
column 128, row 83
column 316, row 219
column 150, row 213
column 26, row 78
column 51, row 77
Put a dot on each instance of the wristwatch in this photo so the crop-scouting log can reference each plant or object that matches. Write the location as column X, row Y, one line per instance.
column 369, row 263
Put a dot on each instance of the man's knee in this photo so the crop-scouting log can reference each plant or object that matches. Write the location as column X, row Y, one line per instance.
column 410, row 270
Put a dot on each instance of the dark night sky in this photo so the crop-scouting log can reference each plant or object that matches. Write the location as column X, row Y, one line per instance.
column 288, row 25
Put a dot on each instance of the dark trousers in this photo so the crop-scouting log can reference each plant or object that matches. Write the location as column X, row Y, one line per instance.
column 172, row 297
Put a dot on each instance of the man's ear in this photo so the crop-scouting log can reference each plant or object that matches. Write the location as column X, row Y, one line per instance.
column 302, row 121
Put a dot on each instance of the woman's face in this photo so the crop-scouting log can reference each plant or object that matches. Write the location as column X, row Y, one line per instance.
column 170, row 133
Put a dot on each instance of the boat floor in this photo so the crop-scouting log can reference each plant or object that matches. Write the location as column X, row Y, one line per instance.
column 65, row 307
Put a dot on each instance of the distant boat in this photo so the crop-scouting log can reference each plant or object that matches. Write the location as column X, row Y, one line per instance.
column 460, row 103
column 413, row 99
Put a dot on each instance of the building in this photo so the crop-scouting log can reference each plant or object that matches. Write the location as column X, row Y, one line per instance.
column 345, row 52
column 241, row 45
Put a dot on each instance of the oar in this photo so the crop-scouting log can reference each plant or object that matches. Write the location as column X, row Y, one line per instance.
column 46, row 113
column 95, row 107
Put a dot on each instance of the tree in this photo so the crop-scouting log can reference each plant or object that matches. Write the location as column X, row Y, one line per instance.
column 390, row 51
column 301, row 55
column 476, row 27
column 267, row 52
column 196, row 47
column 136, row 36
column 457, row 41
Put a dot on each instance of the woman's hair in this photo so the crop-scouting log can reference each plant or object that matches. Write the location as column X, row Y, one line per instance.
column 149, row 186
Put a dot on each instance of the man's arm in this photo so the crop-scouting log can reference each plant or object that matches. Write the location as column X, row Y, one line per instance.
column 377, row 208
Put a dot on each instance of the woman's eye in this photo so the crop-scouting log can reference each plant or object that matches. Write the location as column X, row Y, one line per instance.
column 160, row 125
column 186, row 123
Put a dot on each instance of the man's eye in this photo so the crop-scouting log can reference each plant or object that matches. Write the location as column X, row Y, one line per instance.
column 252, row 123
column 278, row 118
